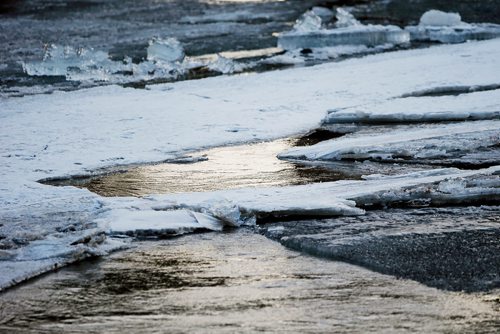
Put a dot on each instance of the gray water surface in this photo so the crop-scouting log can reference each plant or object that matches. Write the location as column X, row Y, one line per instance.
column 234, row 282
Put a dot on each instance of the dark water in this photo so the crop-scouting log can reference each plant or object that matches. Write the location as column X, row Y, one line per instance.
column 234, row 282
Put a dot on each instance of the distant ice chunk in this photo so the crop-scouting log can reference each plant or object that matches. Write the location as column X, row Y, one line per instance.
column 345, row 19
column 75, row 64
column 438, row 26
column 324, row 13
column 165, row 50
column 307, row 33
column 225, row 65
column 439, row 18
column 308, row 22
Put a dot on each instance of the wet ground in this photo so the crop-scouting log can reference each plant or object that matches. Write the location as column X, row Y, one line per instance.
column 235, row 282
column 453, row 248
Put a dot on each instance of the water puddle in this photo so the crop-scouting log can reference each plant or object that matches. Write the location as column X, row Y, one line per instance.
column 248, row 165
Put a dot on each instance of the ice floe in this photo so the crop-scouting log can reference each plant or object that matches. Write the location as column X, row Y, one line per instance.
column 165, row 50
column 472, row 106
column 423, row 142
column 309, row 33
column 438, row 26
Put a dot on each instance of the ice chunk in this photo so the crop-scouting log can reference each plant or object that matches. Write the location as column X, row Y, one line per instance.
column 324, row 13
column 147, row 222
column 225, row 65
column 308, row 33
column 438, row 18
column 370, row 35
column 165, row 50
column 345, row 19
column 437, row 26
column 74, row 64
column 308, row 22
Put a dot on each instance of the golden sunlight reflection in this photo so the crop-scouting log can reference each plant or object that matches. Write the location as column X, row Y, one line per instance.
column 230, row 167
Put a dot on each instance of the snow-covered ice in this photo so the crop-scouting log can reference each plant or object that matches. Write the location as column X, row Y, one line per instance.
column 423, row 142
column 94, row 130
column 438, row 26
column 471, row 106
column 238, row 206
column 309, row 33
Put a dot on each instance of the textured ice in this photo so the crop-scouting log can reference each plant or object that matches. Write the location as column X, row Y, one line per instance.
column 308, row 22
column 472, row 106
column 324, row 13
column 308, row 33
column 75, row 64
column 424, row 142
column 165, row 60
column 165, row 50
column 437, row 26
column 345, row 19
column 225, row 66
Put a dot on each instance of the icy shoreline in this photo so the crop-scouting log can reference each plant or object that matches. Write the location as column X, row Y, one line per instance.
column 84, row 131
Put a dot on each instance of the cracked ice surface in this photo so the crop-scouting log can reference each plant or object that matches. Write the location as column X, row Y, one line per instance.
column 92, row 130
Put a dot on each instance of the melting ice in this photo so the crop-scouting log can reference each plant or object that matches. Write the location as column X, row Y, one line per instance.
column 438, row 26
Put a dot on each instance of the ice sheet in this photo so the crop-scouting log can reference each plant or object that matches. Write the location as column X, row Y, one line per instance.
column 424, row 142
column 472, row 106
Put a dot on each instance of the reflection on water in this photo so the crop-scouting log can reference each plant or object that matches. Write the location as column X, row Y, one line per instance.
column 230, row 167
column 233, row 282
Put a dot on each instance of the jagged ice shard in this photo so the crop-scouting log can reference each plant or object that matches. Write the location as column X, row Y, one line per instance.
column 438, row 26
column 308, row 33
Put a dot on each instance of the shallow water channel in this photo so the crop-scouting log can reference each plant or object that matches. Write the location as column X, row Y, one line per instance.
column 237, row 281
